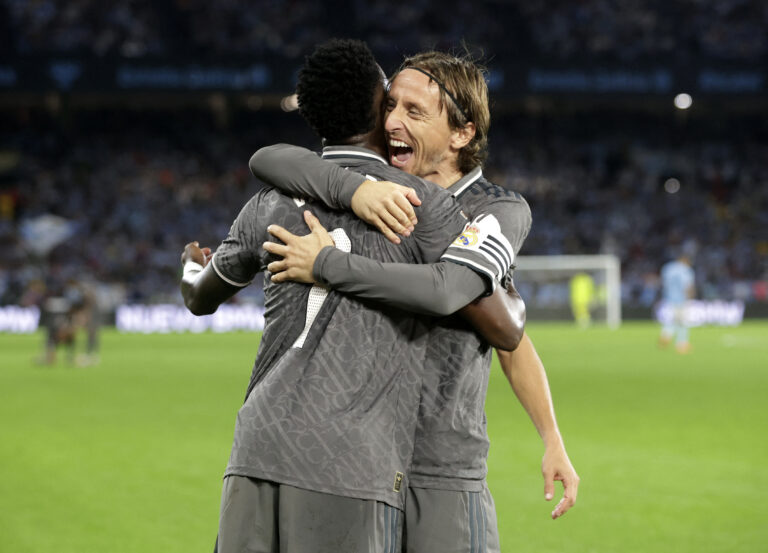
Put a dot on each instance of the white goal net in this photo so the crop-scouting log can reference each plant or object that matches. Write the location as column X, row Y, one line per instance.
column 584, row 287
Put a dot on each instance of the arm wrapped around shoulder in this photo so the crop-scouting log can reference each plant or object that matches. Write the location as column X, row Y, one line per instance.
column 499, row 317
column 299, row 172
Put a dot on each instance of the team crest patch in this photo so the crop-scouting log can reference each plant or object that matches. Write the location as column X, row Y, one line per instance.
column 398, row 482
column 468, row 237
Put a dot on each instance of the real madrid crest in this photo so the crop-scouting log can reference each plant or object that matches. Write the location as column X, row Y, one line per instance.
column 467, row 238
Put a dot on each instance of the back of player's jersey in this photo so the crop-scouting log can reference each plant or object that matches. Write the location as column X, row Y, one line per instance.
column 334, row 410
column 676, row 280
column 451, row 439
column 240, row 257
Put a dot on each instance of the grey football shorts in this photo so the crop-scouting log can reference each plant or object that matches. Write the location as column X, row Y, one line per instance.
column 258, row 516
column 444, row 521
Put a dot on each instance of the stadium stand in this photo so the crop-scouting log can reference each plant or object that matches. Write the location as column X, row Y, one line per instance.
column 133, row 184
column 725, row 29
column 138, row 192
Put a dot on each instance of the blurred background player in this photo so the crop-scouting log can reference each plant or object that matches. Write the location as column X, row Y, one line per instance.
column 56, row 315
column 582, row 295
column 66, row 310
column 677, row 287
column 86, row 317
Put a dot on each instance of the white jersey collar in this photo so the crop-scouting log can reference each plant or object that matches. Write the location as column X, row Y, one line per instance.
column 461, row 185
column 352, row 152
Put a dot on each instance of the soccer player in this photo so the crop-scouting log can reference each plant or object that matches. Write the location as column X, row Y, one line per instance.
column 677, row 285
column 437, row 122
column 582, row 288
column 60, row 331
column 324, row 440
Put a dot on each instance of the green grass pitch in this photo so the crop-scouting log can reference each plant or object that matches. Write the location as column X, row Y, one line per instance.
column 127, row 456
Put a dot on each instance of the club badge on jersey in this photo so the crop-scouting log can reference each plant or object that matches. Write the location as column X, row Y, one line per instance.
column 483, row 246
column 468, row 237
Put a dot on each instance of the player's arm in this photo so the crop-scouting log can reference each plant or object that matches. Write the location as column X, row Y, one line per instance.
column 498, row 318
column 210, row 280
column 435, row 289
column 488, row 243
column 525, row 372
column 202, row 289
column 299, row 172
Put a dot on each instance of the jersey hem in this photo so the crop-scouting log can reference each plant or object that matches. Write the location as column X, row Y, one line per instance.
column 446, row 483
column 312, row 486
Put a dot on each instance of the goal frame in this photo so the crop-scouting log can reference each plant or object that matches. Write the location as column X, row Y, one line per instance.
column 571, row 263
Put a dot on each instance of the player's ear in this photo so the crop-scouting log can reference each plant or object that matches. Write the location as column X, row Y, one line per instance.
column 463, row 136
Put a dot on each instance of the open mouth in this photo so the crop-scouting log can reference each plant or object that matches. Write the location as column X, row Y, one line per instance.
column 399, row 152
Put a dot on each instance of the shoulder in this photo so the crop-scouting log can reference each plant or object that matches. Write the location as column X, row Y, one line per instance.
column 386, row 172
column 484, row 187
column 484, row 192
column 265, row 197
column 431, row 195
column 270, row 205
column 497, row 199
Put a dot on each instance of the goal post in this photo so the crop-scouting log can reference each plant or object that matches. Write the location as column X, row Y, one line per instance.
column 536, row 273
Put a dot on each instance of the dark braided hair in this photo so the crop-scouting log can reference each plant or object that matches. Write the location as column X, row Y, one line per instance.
column 336, row 89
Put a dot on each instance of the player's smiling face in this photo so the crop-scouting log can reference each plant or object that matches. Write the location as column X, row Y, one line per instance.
column 418, row 135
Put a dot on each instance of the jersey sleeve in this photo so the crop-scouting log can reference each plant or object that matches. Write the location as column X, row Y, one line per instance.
column 240, row 256
column 436, row 289
column 432, row 288
column 440, row 220
column 490, row 242
column 299, row 172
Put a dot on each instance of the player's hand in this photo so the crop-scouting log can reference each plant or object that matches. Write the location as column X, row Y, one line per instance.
column 557, row 466
column 387, row 206
column 193, row 252
column 298, row 252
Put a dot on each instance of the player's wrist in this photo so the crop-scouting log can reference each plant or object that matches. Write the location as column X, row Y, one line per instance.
column 552, row 438
column 319, row 266
column 349, row 188
column 191, row 270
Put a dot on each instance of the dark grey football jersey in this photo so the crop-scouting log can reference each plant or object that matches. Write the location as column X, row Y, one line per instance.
column 451, row 440
column 333, row 408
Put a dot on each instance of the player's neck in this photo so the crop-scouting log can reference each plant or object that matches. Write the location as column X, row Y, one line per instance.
column 367, row 141
column 444, row 175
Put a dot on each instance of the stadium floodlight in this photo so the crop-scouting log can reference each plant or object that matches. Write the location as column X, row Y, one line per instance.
column 672, row 185
column 683, row 101
column 547, row 278
column 289, row 103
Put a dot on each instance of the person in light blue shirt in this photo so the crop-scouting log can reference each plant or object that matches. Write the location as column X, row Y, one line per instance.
column 677, row 288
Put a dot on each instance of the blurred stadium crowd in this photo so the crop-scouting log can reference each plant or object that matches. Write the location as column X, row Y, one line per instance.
column 621, row 29
column 124, row 190
column 133, row 190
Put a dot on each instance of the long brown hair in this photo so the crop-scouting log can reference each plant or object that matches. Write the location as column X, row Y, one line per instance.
column 464, row 94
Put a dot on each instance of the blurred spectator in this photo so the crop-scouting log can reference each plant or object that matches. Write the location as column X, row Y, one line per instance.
column 624, row 30
column 129, row 28
column 136, row 194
